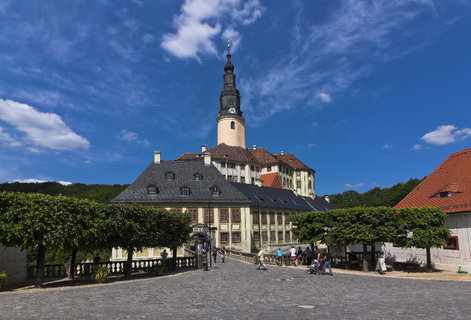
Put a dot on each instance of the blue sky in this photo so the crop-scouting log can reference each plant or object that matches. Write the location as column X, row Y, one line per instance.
column 367, row 93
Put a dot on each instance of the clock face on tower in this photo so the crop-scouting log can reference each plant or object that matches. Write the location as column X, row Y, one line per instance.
column 232, row 110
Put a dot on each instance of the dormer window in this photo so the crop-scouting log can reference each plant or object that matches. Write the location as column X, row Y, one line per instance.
column 198, row 176
column 215, row 190
column 152, row 189
column 169, row 176
column 185, row 191
column 444, row 194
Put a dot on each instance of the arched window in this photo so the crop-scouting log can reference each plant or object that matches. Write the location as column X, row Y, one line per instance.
column 231, row 102
column 169, row 176
column 232, row 125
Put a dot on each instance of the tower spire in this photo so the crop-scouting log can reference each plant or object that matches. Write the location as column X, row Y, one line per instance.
column 231, row 123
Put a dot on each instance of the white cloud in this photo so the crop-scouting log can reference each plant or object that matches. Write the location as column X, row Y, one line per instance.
column 386, row 146
column 64, row 183
column 417, row 147
column 6, row 138
column 132, row 137
column 355, row 186
column 201, row 20
column 324, row 97
column 347, row 44
column 446, row 134
column 43, row 130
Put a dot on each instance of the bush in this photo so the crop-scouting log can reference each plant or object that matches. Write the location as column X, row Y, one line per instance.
column 101, row 274
column 3, row 277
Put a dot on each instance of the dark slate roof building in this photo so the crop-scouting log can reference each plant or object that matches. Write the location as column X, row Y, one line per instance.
column 180, row 182
column 281, row 198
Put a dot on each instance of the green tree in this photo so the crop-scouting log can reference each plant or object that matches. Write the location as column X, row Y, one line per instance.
column 135, row 227
column 422, row 228
column 42, row 223
column 366, row 226
column 311, row 227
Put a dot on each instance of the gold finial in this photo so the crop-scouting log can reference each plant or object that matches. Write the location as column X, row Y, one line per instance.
column 229, row 43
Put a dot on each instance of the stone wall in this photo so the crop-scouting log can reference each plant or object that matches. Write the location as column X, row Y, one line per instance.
column 13, row 262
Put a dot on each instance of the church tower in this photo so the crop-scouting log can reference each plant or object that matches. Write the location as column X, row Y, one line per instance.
column 231, row 124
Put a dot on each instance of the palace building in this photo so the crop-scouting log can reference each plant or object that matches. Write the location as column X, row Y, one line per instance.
column 250, row 165
column 245, row 195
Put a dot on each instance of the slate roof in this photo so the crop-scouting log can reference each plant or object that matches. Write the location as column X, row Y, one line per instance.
column 319, row 204
column 447, row 187
column 280, row 198
column 271, row 180
column 169, row 191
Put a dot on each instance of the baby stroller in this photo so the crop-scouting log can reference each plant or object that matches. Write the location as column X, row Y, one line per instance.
column 314, row 268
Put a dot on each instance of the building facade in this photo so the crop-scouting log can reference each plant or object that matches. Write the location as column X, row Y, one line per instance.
column 242, row 216
column 449, row 188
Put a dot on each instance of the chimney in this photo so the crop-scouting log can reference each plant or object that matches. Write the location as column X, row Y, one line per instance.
column 258, row 182
column 282, row 152
column 207, row 159
column 157, row 157
column 204, row 148
column 254, row 147
column 327, row 199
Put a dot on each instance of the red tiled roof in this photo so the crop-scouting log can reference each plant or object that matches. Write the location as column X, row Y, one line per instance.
column 187, row 156
column 259, row 156
column 290, row 160
column 453, row 175
column 271, row 180
column 263, row 156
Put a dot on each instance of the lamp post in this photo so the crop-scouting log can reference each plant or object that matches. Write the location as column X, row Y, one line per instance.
column 259, row 222
column 210, row 232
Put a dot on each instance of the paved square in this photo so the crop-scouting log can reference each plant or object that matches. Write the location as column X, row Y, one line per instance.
column 236, row 290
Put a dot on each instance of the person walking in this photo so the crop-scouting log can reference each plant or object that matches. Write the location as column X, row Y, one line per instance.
column 326, row 258
column 164, row 256
column 279, row 257
column 215, row 254
column 261, row 258
column 300, row 256
column 223, row 254
column 292, row 255
column 308, row 254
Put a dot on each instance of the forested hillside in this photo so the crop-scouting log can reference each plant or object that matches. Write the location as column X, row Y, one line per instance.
column 375, row 197
column 97, row 192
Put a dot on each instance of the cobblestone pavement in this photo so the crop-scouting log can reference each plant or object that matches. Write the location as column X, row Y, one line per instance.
column 236, row 290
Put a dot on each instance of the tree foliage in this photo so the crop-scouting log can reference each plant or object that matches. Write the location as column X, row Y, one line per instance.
column 375, row 197
column 98, row 192
column 417, row 227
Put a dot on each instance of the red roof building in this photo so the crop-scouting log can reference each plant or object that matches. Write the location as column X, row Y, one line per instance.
column 449, row 188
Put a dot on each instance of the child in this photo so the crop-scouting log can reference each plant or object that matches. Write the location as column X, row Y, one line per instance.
column 223, row 254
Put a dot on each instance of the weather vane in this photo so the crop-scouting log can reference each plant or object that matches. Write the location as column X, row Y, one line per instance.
column 229, row 45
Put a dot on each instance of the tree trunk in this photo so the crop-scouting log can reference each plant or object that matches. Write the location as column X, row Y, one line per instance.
column 372, row 258
column 364, row 258
column 72, row 264
column 429, row 260
column 128, row 270
column 40, row 266
column 174, row 260
column 346, row 258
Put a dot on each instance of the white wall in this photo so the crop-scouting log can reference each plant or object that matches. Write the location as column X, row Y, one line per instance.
column 460, row 226
column 13, row 262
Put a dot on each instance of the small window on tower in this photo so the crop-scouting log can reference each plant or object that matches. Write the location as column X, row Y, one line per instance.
column 231, row 102
column 232, row 125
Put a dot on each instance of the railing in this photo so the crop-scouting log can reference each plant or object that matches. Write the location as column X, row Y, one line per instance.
column 115, row 267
